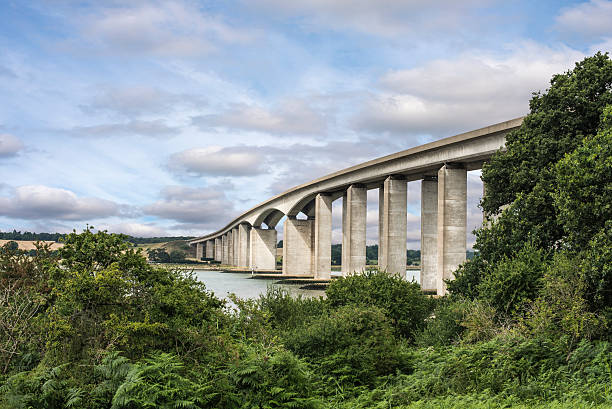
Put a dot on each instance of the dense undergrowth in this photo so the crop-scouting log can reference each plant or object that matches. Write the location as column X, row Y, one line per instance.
column 103, row 329
column 527, row 322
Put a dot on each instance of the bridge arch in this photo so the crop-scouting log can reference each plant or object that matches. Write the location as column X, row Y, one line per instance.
column 270, row 217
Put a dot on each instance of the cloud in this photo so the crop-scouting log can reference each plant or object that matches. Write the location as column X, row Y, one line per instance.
column 153, row 129
column 590, row 20
column 9, row 146
column 471, row 91
column 204, row 206
column 135, row 229
column 383, row 17
column 138, row 100
column 220, row 161
column 43, row 202
column 293, row 117
column 159, row 28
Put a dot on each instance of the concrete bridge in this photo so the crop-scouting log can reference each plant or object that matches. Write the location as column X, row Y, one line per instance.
column 249, row 241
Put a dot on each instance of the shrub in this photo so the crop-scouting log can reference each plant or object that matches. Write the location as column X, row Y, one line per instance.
column 401, row 301
column 561, row 311
column 514, row 281
column 355, row 344
column 443, row 327
column 285, row 311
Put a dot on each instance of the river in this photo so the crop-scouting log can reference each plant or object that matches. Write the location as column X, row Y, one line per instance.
column 241, row 284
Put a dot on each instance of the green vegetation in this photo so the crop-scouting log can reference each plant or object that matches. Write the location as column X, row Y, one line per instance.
column 57, row 237
column 528, row 322
column 101, row 328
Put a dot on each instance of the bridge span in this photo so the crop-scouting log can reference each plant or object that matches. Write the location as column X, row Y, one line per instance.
column 249, row 241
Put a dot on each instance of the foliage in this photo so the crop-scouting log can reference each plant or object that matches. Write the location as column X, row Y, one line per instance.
column 287, row 312
column 353, row 344
column 162, row 256
column 597, row 272
column 443, row 327
column 514, row 281
column 561, row 311
column 402, row 302
column 584, row 186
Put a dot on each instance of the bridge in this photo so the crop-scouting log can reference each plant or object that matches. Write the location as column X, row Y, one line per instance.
column 249, row 241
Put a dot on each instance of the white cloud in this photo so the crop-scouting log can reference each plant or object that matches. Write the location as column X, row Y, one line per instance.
column 138, row 100
column 219, row 161
column 382, row 17
column 159, row 28
column 43, row 202
column 204, row 206
column 590, row 20
column 292, row 117
column 448, row 96
column 135, row 229
column 9, row 145
column 154, row 129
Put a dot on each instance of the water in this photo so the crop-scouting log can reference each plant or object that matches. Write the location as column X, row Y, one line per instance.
column 244, row 286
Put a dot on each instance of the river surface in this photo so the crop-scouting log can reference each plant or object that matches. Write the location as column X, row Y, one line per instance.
column 244, row 286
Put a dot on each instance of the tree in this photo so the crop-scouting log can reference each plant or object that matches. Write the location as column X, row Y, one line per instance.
column 523, row 182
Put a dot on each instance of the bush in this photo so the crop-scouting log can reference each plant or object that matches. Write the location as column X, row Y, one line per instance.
column 287, row 312
column 443, row 327
column 514, row 281
column 401, row 301
column 561, row 312
column 354, row 344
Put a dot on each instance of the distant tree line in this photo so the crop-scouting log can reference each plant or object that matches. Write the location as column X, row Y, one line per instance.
column 30, row 236
column 17, row 235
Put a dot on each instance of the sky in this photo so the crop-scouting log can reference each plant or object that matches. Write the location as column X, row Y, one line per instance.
column 157, row 118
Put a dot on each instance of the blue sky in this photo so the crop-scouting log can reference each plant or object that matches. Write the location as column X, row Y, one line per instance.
column 171, row 117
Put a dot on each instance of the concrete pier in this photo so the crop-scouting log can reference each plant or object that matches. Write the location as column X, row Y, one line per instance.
column 429, row 233
column 298, row 244
column 394, row 225
column 236, row 248
column 225, row 254
column 381, row 223
column 354, row 212
column 200, row 251
column 219, row 249
column 230, row 247
column 263, row 249
column 210, row 249
column 244, row 233
column 452, row 220
column 322, row 236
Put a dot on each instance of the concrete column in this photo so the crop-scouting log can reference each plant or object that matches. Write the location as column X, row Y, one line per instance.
column 218, row 249
column 322, row 236
column 298, row 247
column 354, row 211
column 452, row 220
column 381, row 223
column 210, row 249
column 199, row 251
column 394, row 225
column 244, row 239
column 263, row 249
column 235, row 254
column 225, row 254
column 429, row 234
column 230, row 247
